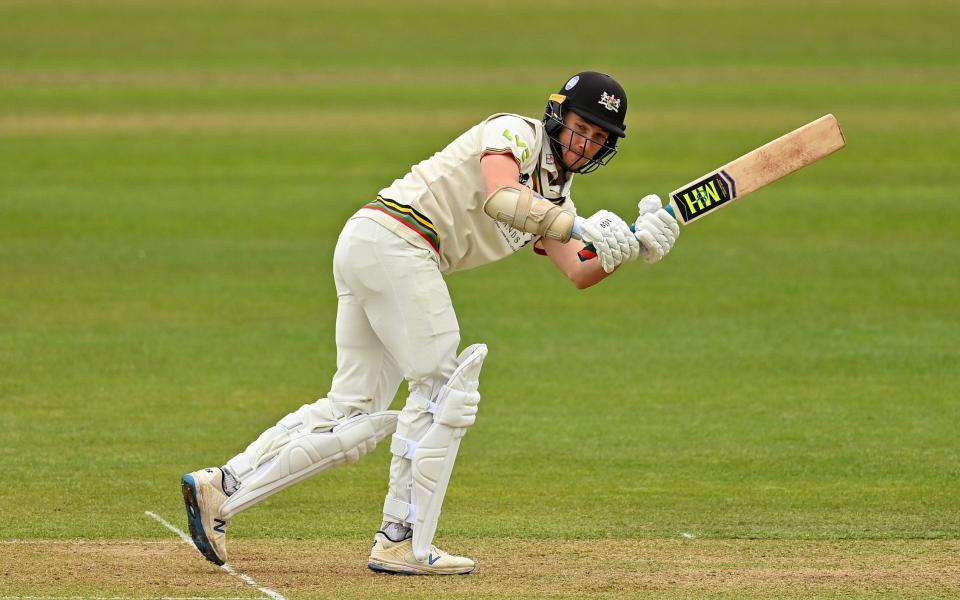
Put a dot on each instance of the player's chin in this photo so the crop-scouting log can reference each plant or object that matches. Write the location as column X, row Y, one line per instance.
column 576, row 161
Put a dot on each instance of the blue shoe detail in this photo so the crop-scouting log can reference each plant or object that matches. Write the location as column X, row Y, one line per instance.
column 379, row 569
column 189, row 488
column 431, row 559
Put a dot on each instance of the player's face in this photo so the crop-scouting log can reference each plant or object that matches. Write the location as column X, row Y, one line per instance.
column 581, row 140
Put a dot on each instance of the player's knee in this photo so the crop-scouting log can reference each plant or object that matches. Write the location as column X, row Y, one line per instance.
column 345, row 409
column 434, row 362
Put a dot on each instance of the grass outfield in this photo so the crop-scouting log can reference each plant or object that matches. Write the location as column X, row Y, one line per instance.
column 770, row 412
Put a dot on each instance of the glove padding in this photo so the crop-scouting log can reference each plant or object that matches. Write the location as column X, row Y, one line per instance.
column 655, row 229
column 612, row 239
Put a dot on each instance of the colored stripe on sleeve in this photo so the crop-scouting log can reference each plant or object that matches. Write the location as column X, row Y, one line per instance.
column 503, row 151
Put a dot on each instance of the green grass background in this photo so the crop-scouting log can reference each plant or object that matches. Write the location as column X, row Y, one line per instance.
column 173, row 177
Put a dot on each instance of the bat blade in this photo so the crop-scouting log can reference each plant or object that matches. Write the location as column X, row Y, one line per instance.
column 757, row 168
column 750, row 172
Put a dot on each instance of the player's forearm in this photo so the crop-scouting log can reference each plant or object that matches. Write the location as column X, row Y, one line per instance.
column 584, row 275
column 581, row 274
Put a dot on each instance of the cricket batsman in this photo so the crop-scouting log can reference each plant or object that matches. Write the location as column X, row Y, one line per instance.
column 501, row 186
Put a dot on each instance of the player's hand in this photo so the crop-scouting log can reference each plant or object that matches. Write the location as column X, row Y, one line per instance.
column 656, row 229
column 612, row 239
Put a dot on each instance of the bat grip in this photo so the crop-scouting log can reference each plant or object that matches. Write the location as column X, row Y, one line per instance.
column 589, row 251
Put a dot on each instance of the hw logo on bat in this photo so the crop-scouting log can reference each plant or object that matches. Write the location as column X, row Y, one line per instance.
column 700, row 197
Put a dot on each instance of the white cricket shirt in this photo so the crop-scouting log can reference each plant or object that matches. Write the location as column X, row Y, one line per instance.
column 439, row 203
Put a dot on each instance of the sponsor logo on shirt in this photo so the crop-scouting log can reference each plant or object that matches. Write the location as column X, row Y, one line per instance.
column 520, row 147
column 515, row 238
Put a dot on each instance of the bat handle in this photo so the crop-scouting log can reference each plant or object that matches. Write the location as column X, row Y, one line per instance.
column 589, row 251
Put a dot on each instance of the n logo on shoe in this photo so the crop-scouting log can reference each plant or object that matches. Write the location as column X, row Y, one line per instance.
column 431, row 559
column 220, row 526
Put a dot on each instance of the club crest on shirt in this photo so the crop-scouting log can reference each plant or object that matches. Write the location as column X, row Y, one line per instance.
column 610, row 102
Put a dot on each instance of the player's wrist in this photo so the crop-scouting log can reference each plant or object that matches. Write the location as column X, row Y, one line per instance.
column 577, row 228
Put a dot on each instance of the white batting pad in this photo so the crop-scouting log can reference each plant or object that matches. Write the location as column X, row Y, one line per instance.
column 436, row 451
column 303, row 444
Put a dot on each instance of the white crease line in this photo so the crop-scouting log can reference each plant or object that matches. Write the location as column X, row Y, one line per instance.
column 122, row 598
column 186, row 538
column 225, row 567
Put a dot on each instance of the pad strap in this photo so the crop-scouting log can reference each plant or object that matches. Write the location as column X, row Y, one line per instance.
column 400, row 510
column 241, row 467
column 402, row 447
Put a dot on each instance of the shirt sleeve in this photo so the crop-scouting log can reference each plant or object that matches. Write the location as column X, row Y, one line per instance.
column 511, row 135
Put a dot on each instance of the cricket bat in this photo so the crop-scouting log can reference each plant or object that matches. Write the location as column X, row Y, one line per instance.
column 755, row 169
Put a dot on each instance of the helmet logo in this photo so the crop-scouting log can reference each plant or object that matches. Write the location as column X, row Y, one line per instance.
column 610, row 102
column 573, row 81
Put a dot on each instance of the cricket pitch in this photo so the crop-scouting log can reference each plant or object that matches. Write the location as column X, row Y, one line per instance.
column 508, row 568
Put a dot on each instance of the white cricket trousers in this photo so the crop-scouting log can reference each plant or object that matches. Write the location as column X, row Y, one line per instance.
column 395, row 321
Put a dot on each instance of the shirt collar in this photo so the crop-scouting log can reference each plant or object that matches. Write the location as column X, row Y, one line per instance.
column 548, row 163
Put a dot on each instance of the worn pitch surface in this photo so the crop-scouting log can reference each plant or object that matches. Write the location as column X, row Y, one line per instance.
column 509, row 568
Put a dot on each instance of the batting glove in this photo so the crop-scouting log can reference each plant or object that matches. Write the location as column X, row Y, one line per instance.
column 612, row 239
column 655, row 229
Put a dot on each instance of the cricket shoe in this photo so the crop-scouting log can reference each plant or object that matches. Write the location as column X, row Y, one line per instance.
column 397, row 558
column 204, row 496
